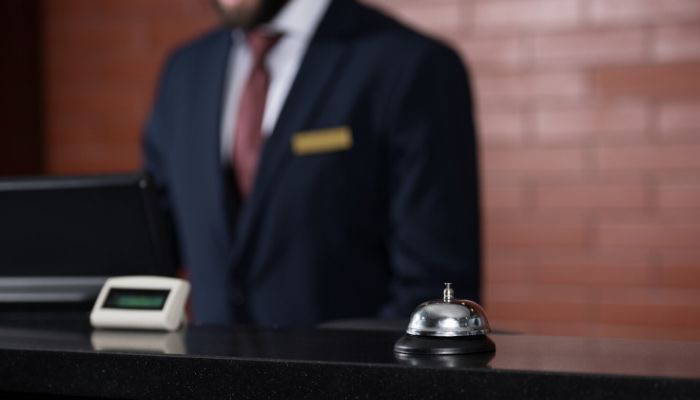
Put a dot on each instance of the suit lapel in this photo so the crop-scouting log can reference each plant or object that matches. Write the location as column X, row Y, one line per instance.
column 311, row 85
column 208, row 89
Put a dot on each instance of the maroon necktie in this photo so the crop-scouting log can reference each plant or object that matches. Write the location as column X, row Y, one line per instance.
column 248, row 137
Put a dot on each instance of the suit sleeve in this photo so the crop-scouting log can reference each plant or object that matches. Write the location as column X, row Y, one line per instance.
column 155, row 145
column 434, row 194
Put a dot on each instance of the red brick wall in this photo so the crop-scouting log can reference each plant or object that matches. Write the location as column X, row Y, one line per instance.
column 589, row 114
column 101, row 62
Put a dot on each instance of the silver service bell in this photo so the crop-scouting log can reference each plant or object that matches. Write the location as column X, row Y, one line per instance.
column 446, row 326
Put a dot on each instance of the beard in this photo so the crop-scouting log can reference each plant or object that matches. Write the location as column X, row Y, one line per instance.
column 247, row 14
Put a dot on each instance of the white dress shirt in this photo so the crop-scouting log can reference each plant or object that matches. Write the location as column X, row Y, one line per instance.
column 297, row 22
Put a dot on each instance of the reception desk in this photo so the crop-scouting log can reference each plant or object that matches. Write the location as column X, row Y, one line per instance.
column 55, row 357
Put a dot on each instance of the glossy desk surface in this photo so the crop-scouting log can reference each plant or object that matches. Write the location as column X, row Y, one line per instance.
column 67, row 357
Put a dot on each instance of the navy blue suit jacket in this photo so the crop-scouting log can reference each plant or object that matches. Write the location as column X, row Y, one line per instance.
column 370, row 231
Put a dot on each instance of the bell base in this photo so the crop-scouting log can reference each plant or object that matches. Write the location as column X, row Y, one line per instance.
column 431, row 345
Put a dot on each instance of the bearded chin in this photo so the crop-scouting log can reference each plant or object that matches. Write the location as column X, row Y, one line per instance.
column 234, row 20
column 249, row 18
column 239, row 18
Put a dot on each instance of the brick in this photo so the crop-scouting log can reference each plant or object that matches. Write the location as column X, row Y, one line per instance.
column 525, row 14
column 537, row 292
column 671, row 177
column 93, row 158
column 675, row 80
column 679, row 258
column 566, row 328
column 536, row 216
column 104, row 74
column 588, row 214
column 642, row 11
column 546, row 311
column 674, row 43
column 107, row 132
column 115, row 42
column 679, row 215
column 60, row 9
column 599, row 277
column 648, row 234
column 119, row 10
column 177, row 30
column 591, row 268
column 100, row 66
column 591, row 196
column 591, row 47
column 679, row 196
column 595, row 258
column 509, row 267
column 592, row 177
column 649, row 314
column 553, row 125
column 631, row 214
column 494, row 52
column 126, row 100
column 504, row 88
column 680, row 268
column 499, row 178
column 656, row 296
column 505, row 127
column 649, row 157
column 503, row 198
column 534, row 234
column 533, row 160
column 652, row 216
column 680, row 277
column 104, row 38
column 498, row 274
column 113, row 118
column 508, row 325
column 676, row 117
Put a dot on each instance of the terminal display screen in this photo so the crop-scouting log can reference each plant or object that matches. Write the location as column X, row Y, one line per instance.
column 136, row 299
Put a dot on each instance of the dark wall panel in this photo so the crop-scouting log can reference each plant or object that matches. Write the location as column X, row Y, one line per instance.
column 20, row 83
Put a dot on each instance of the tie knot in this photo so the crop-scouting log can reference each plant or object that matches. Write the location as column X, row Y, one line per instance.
column 261, row 42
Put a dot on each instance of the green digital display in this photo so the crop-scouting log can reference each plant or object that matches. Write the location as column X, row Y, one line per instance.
column 136, row 299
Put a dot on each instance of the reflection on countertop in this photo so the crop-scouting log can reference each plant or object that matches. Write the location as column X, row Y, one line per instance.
column 679, row 359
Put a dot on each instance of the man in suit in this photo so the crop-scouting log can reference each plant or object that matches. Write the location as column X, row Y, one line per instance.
column 319, row 161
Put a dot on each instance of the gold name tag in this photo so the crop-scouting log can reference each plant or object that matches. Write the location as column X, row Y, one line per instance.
column 322, row 141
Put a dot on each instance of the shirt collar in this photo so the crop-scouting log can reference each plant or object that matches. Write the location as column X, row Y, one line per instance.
column 299, row 17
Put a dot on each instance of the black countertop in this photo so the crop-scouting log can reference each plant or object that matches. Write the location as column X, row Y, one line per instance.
column 64, row 356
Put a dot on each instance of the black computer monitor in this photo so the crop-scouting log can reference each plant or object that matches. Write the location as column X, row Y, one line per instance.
column 61, row 237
